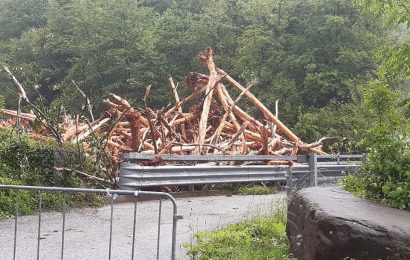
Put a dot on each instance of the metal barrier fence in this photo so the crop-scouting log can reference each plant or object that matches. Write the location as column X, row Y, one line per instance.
column 322, row 169
column 312, row 168
column 113, row 194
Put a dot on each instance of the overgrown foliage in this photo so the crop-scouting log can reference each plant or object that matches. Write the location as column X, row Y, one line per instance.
column 386, row 173
column 308, row 54
column 396, row 14
column 26, row 162
column 385, row 176
column 259, row 238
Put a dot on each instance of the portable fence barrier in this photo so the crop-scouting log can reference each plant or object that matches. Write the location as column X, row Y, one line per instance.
column 113, row 194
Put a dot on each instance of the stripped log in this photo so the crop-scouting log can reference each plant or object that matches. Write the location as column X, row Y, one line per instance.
column 24, row 116
column 84, row 135
column 267, row 114
column 176, row 96
column 207, row 58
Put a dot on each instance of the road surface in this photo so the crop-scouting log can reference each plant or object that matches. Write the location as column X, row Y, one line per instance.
column 87, row 229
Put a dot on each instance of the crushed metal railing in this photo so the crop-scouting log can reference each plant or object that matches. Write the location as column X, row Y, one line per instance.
column 113, row 194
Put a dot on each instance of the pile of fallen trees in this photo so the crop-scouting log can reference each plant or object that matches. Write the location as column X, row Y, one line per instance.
column 214, row 125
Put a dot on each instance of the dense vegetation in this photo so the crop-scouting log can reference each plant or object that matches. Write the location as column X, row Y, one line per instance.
column 26, row 162
column 340, row 68
column 314, row 56
column 386, row 173
column 385, row 176
column 258, row 238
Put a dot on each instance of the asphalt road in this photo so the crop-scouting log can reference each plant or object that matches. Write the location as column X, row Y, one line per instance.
column 87, row 229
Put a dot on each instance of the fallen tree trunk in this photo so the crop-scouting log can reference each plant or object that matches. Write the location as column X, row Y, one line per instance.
column 207, row 58
column 267, row 114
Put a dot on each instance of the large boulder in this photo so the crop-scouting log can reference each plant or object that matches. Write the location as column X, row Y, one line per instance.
column 331, row 223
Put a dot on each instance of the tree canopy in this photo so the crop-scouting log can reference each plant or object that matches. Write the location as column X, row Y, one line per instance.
column 314, row 56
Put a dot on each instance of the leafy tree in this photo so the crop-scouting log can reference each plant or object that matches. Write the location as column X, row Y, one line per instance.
column 309, row 55
column 323, row 50
column 386, row 172
column 17, row 17
column 345, row 124
column 397, row 14
column 111, row 46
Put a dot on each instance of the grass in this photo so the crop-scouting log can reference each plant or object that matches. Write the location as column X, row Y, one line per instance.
column 249, row 188
column 255, row 190
column 258, row 238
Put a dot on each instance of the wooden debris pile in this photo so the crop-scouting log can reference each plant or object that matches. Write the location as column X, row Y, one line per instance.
column 214, row 125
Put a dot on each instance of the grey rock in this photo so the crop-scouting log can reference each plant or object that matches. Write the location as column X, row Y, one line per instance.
column 331, row 223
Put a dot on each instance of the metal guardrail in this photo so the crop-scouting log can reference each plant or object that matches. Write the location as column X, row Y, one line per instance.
column 134, row 176
column 112, row 194
column 215, row 158
column 132, row 157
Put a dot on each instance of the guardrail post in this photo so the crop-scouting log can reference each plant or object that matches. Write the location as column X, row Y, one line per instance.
column 313, row 169
column 289, row 182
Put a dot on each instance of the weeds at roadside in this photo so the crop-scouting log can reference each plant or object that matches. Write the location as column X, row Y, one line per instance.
column 255, row 190
column 263, row 237
column 249, row 188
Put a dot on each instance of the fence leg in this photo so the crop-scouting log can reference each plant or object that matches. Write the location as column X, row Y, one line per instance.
column 15, row 225
column 63, row 227
column 313, row 169
column 175, row 218
column 134, row 225
column 159, row 226
column 40, row 201
column 111, row 220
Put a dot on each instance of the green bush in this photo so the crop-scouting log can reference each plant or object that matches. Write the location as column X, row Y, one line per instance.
column 260, row 238
column 385, row 176
column 345, row 123
column 8, row 199
column 27, row 162
column 32, row 162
